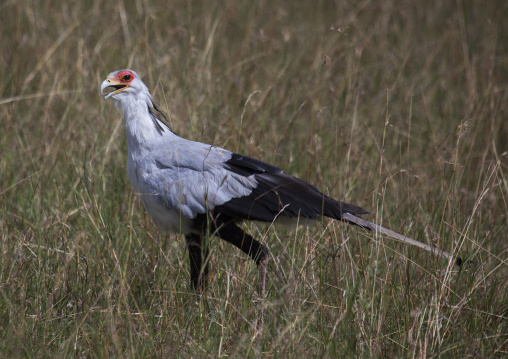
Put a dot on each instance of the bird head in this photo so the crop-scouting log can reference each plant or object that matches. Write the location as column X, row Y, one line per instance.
column 124, row 85
column 134, row 98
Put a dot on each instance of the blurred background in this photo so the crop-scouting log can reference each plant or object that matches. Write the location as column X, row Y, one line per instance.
column 396, row 106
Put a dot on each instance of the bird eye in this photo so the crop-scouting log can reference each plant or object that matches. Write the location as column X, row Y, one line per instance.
column 126, row 77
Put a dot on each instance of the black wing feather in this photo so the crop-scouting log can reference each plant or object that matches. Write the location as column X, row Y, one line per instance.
column 278, row 193
column 247, row 166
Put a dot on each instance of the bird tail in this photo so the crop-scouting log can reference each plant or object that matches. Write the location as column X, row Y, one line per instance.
column 372, row 226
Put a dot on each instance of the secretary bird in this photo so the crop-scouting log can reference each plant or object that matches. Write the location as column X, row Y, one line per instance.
column 193, row 188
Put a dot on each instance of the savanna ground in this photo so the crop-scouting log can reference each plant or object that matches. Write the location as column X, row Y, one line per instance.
column 397, row 106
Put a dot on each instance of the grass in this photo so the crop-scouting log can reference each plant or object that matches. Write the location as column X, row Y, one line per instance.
column 397, row 107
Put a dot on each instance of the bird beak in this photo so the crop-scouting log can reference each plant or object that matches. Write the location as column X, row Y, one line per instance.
column 115, row 85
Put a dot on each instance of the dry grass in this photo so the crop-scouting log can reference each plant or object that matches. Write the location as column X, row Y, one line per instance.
column 396, row 107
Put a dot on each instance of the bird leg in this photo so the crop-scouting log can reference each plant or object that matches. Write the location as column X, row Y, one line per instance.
column 261, row 291
column 198, row 267
column 233, row 234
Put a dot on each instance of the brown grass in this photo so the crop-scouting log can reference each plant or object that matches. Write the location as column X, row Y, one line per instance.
column 395, row 106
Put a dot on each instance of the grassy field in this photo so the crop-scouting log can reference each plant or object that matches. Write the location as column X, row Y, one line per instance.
column 396, row 107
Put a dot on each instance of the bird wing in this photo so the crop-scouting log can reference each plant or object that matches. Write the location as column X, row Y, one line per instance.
column 278, row 193
column 195, row 178
column 190, row 177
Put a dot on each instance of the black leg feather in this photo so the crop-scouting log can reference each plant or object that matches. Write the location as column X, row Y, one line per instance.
column 225, row 228
column 198, row 256
column 233, row 234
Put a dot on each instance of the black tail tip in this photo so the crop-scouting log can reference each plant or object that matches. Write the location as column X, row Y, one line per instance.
column 459, row 262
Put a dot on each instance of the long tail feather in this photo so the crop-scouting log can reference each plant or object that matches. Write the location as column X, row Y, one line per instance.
column 366, row 224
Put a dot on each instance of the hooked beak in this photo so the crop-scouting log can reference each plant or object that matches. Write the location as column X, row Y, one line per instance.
column 116, row 86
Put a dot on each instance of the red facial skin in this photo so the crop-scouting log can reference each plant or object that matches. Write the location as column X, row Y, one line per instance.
column 125, row 77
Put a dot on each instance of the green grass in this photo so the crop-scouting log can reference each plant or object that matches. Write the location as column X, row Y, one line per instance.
column 396, row 107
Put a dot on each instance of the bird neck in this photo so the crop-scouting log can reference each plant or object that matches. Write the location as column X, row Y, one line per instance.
column 144, row 126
